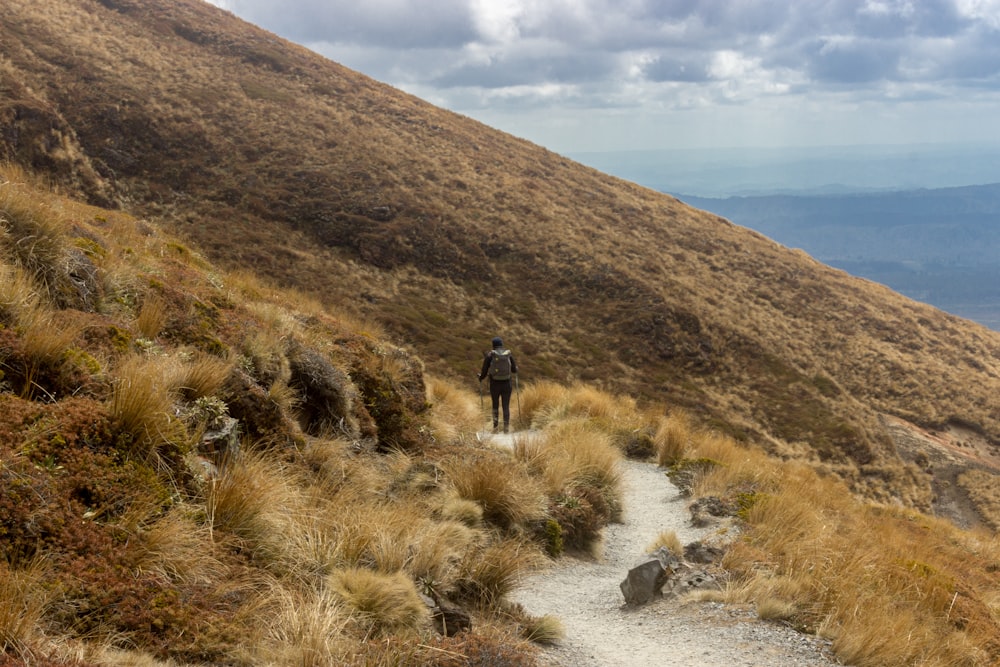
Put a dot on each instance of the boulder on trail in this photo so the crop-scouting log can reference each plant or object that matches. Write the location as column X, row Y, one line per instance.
column 645, row 581
column 663, row 574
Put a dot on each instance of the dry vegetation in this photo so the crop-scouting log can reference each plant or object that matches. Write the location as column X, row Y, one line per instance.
column 137, row 529
column 444, row 231
column 200, row 467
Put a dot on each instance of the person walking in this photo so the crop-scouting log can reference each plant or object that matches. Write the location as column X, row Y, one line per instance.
column 500, row 367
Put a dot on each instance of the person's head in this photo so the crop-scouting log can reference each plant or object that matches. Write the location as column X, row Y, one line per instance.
column 497, row 341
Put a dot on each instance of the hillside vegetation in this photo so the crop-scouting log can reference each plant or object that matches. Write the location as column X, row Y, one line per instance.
column 201, row 468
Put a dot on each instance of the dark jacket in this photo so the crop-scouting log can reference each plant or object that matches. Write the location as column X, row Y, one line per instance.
column 486, row 366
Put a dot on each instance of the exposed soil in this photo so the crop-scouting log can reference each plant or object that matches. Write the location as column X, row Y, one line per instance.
column 600, row 631
column 945, row 454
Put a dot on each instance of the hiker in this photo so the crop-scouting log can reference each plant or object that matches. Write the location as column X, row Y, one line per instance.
column 500, row 367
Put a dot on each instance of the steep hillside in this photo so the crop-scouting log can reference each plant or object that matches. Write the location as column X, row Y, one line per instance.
column 199, row 468
column 277, row 161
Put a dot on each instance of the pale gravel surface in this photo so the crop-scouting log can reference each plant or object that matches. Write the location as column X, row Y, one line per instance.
column 601, row 632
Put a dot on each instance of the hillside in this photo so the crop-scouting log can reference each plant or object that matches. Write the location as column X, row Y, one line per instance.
column 938, row 246
column 199, row 468
column 275, row 161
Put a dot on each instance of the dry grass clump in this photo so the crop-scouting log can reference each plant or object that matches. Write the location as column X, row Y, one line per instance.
column 179, row 547
column 545, row 630
column 438, row 549
column 572, row 455
column 378, row 601
column 257, row 499
column 509, row 496
column 455, row 414
column 291, row 626
column 461, row 510
column 672, row 438
column 265, row 358
column 203, row 375
column 152, row 317
column 490, row 573
column 23, row 599
column 18, row 294
column 669, row 541
column 539, row 400
column 544, row 402
column 142, row 402
column 33, row 234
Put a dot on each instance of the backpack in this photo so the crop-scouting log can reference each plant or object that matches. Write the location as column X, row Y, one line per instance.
column 499, row 365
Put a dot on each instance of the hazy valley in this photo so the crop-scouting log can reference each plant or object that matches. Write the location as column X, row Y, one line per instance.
column 940, row 246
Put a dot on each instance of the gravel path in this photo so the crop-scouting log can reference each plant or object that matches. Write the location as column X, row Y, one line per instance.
column 601, row 632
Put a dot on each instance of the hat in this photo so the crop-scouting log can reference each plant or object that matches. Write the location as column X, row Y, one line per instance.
column 497, row 342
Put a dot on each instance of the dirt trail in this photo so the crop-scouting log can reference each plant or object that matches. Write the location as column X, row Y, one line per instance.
column 584, row 593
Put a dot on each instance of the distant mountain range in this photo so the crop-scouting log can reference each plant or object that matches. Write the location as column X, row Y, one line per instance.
column 938, row 246
column 814, row 170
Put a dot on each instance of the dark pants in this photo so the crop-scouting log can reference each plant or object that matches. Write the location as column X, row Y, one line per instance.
column 501, row 390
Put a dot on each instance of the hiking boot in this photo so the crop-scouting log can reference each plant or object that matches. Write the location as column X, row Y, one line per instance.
column 505, row 429
column 494, row 428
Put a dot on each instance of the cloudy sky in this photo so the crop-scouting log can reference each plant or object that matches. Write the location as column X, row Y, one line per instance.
column 592, row 75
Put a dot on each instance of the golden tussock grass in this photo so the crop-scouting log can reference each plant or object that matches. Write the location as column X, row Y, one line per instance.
column 455, row 412
column 265, row 357
column 570, row 454
column 538, row 400
column 672, row 438
column 884, row 586
column 23, row 600
column 464, row 511
column 292, row 626
column 491, row 572
column 379, row 602
column 438, row 549
column 503, row 487
column 18, row 295
column 179, row 547
column 33, row 234
column 669, row 541
column 142, row 401
column 545, row 402
column 152, row 317
column 46, row 336
column 258, row 500
column 545, row 630
column 203, row 375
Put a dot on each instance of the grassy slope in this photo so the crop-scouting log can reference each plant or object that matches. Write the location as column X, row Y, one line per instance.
column 132, row 531
column 448, row 232
column 123, row 353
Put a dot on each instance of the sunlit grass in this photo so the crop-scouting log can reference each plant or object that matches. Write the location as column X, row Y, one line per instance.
column 23, row 600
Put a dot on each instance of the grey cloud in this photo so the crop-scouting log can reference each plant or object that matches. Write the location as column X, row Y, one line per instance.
column 856, row 61
column 520, row 69
column 836, row 43
column 679, row 69
column 394, row 23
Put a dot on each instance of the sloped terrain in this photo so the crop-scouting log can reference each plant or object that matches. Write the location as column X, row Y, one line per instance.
column 279, row 162
column 199, row 468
